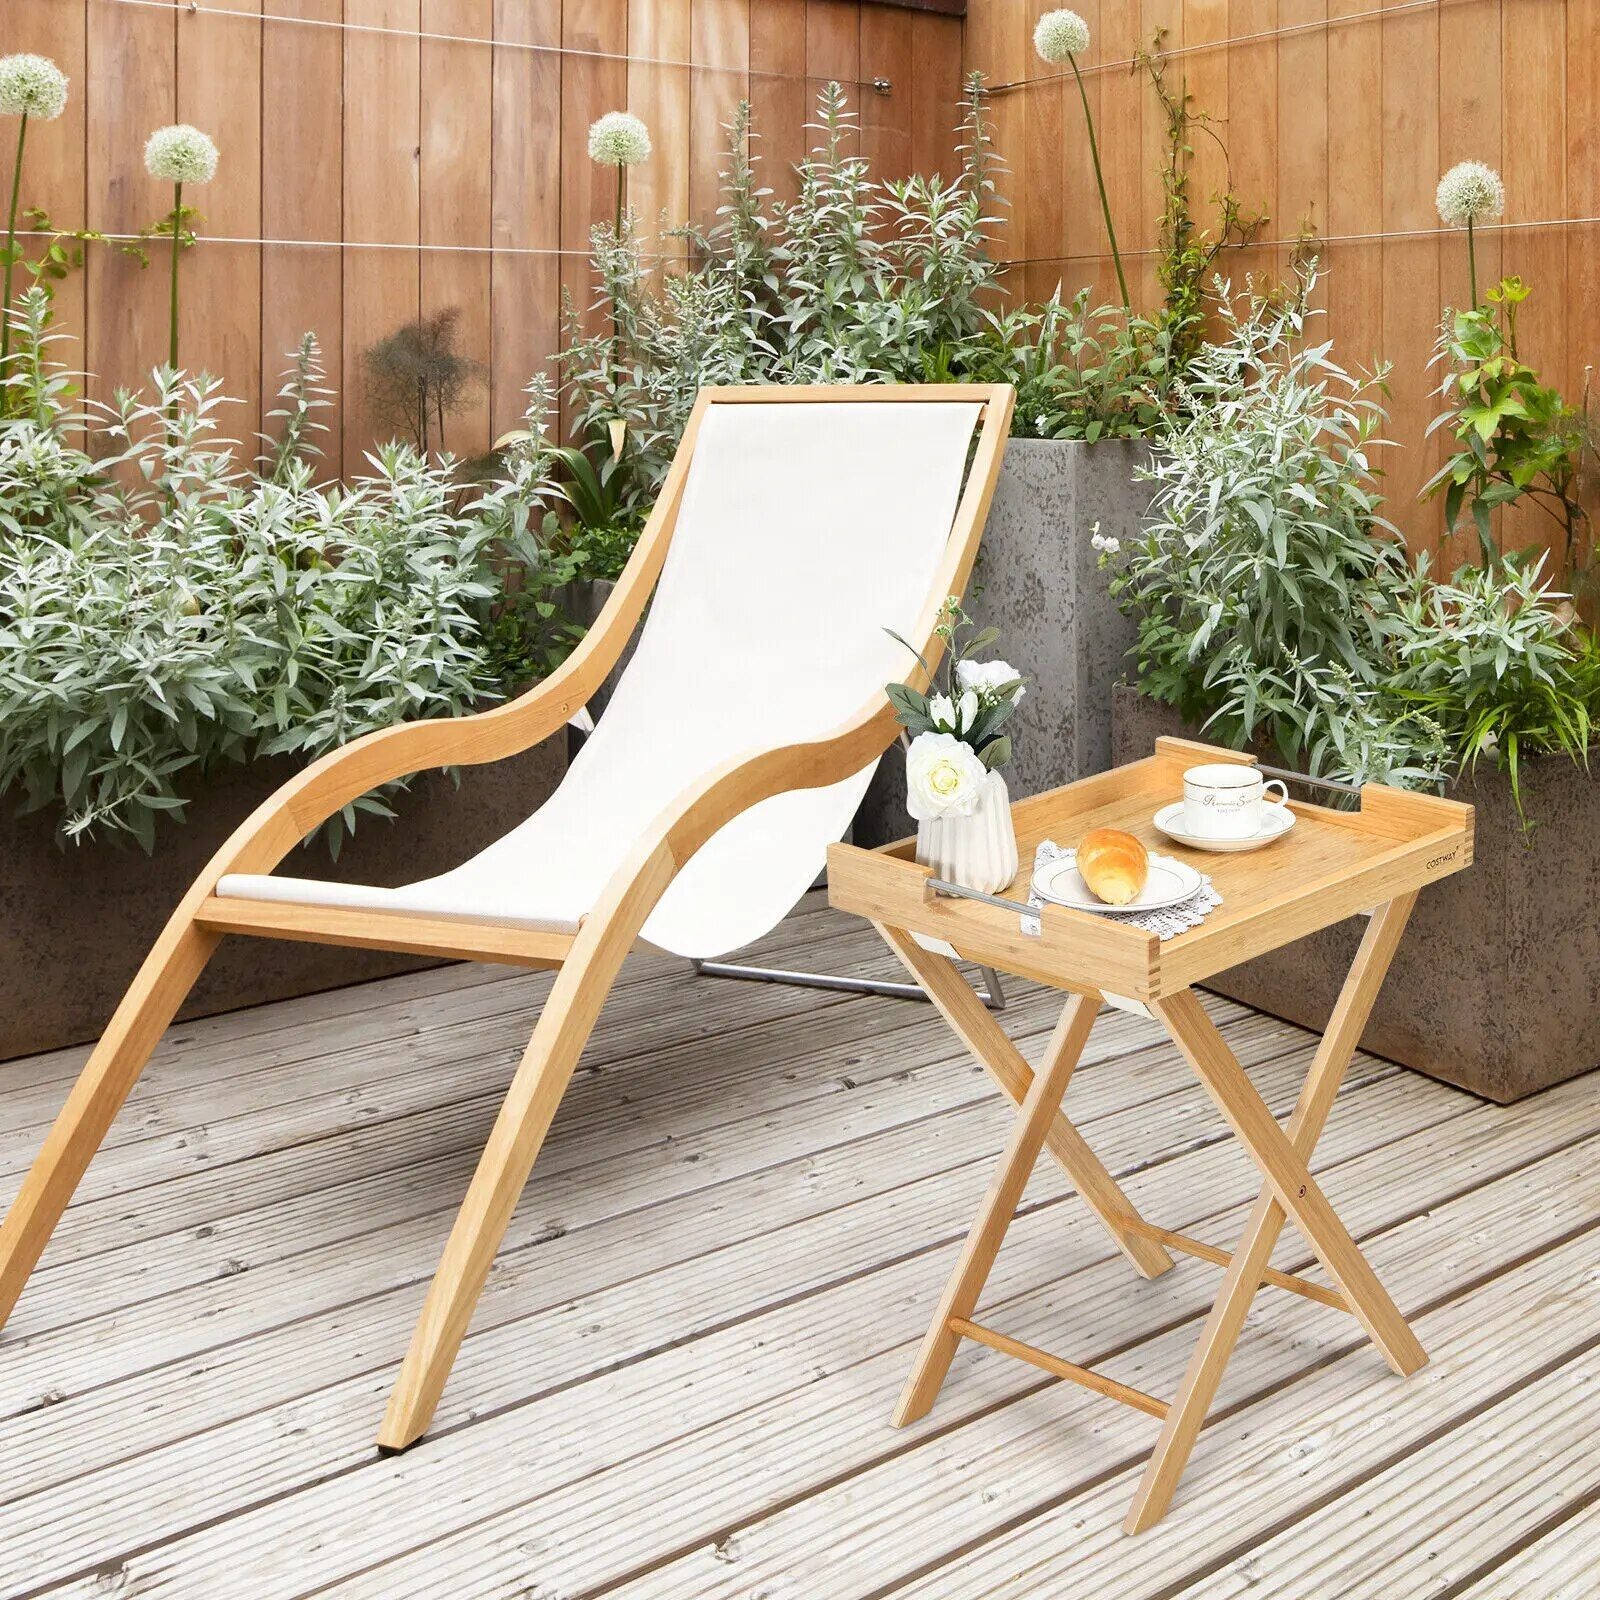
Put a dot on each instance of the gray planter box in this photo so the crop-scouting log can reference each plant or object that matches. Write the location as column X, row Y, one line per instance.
column 1039, row 582
column 1493, row 987
column 80, row 920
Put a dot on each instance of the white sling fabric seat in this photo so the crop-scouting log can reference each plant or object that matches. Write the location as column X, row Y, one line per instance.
column 805, row 531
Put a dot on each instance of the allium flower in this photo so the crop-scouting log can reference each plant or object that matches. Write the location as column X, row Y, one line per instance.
column 944, row 778
column 1059, row 34
column 619, row 139
column 181, row 154
column 985, row 677
column 1470, row 192
column 32, row 86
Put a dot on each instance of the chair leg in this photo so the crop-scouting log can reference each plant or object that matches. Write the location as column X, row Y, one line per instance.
column 525, row 1116
column 168, row 973
column 960, row 1297
column 988, row 1041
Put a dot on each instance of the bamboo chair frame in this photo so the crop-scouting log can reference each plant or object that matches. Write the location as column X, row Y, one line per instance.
column 587, row 961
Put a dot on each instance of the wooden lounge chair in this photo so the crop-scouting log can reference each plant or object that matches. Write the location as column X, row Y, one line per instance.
column 794, row 526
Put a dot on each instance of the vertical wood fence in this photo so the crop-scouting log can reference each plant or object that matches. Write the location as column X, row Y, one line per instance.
column 385, row 159
column 1346, row 111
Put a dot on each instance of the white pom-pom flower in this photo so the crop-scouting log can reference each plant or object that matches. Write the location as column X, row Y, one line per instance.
column 1059, row 34
column 983, row 678
column 181, row 154
column 1104, row 542
column 619, row 139
column 1470, row 192
column 32, row 86
column 944, row 778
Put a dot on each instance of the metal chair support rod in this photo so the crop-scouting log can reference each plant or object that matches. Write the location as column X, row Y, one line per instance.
column 992, row 995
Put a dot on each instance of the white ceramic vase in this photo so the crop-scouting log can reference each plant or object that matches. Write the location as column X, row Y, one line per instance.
column 978, row 852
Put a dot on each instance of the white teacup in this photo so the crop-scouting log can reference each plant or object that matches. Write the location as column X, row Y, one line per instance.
column 1225, row 800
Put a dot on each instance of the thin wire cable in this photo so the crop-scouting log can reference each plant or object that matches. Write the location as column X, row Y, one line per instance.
column 193, row 8
column 1176, row 52
column 1011, row 261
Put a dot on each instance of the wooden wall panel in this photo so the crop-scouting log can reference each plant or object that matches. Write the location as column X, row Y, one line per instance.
column 525, row 161
column 219, row 89
column 302, row 196
column 386, row 158
column 382, row 194
column 456, row 200
column 1349, row 111
column 56, row 176
column 131, row 72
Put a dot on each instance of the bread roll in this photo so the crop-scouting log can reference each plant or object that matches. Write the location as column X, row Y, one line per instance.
column 1114, row 864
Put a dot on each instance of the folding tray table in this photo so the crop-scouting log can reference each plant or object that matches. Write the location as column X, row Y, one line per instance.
column 1332, row 865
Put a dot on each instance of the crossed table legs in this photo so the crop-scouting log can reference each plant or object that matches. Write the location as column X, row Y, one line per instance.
column 1281, row 1154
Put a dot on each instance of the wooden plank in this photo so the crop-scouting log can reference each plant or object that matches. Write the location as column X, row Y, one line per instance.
column 55, row 176
column 935, row 93
column 382, row 200
column 130, row 88
column 658, row 191
column 1558, row 1565
column 457, row 86
column 1533, row 50
column 302, row 197
column 1486, row 1485
column 779, row 98
column 720, row 49
column 1330, row 1428
column 525, row 171
column 238, row 1468
column 883, row 1116
column 1410, row 44
column 220, row 90
column 1301, row 181
column 1583, row 200
column 886, row 118
column 593, row 81
column 873, row 1536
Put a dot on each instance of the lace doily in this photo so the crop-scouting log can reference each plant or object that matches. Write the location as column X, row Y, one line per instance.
column 1165, row 924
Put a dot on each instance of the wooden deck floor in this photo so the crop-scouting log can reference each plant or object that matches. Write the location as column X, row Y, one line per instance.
column 677, row 1386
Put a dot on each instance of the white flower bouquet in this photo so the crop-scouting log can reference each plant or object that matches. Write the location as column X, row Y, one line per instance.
column 957, row 731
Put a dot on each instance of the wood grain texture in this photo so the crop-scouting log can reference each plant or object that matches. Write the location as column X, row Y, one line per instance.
column 470, row 142
column 1345, row 112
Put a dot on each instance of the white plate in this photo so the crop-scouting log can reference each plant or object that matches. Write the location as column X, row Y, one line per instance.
column 1170, row 882
column 1169, row 820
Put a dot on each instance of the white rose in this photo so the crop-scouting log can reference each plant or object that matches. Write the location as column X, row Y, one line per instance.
column 944, row 778
column 984, row 677
column 942, row 712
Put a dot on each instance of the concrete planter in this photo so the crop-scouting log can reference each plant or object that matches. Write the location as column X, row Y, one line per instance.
column 1039, row 582
column 1494, row 985
column 79, row 921
column 584, row 601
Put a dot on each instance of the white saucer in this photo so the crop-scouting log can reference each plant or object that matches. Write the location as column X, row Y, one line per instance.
column 1169, row 820
column 1169, row 884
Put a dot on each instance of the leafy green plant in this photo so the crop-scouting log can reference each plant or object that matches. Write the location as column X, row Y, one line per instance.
column 1188, row 253
column 1275, row 604
column 163, row 610
column 1498, row 661
column 857, row 280
column 1081, row 371
column 977, row 698
column 1515, row 437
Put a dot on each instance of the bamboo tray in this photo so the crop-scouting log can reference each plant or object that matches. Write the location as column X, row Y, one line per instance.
column 1333, row 864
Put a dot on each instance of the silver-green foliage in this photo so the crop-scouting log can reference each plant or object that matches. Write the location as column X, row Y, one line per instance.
column 1275, row 602
column 163, row 610
column 857, row 280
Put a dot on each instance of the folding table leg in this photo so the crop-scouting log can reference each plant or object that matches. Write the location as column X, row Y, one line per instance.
column 1187, row 1414
column 988, row 1041
column 960, row 1298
